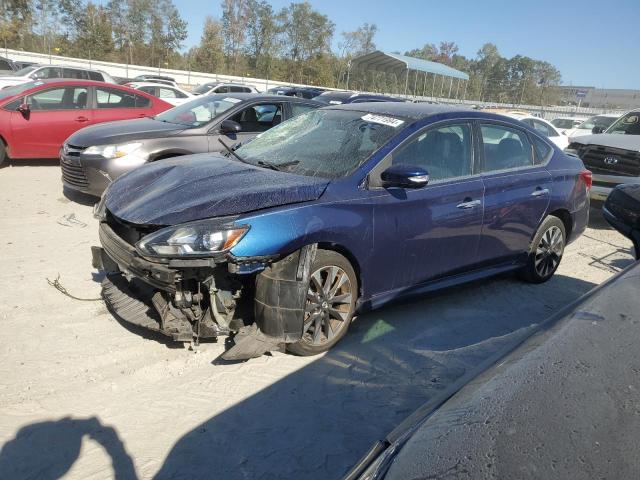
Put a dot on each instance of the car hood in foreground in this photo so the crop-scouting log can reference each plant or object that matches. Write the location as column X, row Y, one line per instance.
column 122, row 131
column 613, row 140
column 202, row 186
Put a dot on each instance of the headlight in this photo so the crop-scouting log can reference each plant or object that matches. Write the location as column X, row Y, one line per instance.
column 197, row 239
column 113, row 151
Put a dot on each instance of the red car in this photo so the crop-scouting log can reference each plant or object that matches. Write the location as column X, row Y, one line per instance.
column 37, row 117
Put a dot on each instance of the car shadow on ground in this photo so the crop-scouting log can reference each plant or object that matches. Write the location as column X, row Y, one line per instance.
column 79, row 197
column 597, row 221
column 318, row 421
column 34, row 162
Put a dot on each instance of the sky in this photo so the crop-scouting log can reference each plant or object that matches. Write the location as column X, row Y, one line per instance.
column 592, row 43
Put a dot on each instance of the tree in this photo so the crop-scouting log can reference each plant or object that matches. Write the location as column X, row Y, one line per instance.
column 262, row 35
column 209, row 56
column 235, row 15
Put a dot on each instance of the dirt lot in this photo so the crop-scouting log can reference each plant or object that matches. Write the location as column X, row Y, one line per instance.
column 81, row 396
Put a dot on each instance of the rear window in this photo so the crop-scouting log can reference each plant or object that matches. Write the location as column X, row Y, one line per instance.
column 543, row 150
column 97, row 76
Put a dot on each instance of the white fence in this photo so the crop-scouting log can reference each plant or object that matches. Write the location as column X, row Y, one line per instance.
column 190, row 78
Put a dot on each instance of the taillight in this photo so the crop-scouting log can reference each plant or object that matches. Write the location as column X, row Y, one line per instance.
column 587, row 176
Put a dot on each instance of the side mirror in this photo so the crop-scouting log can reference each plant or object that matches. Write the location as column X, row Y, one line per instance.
column 597, row 129
column 404, row 176
column 229, row 127
column 24, row 109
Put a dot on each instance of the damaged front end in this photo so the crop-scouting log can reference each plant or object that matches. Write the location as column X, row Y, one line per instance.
column 259, row 301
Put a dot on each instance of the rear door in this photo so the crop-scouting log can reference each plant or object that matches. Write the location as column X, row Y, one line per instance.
column 431, row 232
column 517, row 192
column 116, row 104
column 55, row 113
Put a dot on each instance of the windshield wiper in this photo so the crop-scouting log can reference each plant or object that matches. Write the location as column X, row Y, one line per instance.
column 278, row 166
column 232, row 151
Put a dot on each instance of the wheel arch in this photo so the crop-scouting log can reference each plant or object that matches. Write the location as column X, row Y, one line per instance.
column 564, row 215
column 345, row 252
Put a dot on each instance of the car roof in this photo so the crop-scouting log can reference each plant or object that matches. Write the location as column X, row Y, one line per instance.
column 263, row 96
column 414, row 111
column 150, row 84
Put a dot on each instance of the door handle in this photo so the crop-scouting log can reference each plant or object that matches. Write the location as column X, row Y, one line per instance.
column 82, row 119
column 469, row 204
column 539, row 192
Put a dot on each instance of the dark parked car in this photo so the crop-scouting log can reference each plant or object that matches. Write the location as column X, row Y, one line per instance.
column 337, row 211
column 98, row 155
column 338, row 98
column 612, row 156
column 622, row 211
column 561, row 406
column 302, row 92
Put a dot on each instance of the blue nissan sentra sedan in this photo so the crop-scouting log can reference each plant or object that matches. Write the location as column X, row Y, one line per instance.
column 282, row 241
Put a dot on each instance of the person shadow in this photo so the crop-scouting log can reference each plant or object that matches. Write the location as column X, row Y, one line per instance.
column 48, row 450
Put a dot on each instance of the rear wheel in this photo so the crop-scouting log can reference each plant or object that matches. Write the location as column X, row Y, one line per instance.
column 546, row 252
column 330, row 304
column 3, row 153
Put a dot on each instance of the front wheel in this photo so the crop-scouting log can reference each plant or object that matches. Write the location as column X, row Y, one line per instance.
column 546, row 251
column 330, row 304
column 3, row 153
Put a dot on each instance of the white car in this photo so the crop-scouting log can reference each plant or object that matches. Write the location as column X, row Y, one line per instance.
column 566, row 124
column 219, row 87
column 603, row 121
column 44, row 72
column 172, row 95
column 543, row 127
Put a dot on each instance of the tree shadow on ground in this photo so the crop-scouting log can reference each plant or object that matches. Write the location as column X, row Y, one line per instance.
column 47, row 450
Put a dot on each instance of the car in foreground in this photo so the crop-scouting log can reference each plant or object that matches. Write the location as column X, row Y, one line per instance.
column 595, row 124
column 339, row 98
column 541, row 125
column 37, row 117
column 612, row 156
column 172, row 95
column 212, row 88
column 47, row 72
column 337, row 211
column 560, row 405
column 291, row 91
column 567, row 124
column 94, row 157
column 622, row 211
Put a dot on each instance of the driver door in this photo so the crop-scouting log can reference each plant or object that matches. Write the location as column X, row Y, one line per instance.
column 434, row 231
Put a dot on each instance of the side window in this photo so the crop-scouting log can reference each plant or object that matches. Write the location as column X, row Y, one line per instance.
column 68, row 98
column 167, row 93
column 142, row 102
column 4, row 65
column 505, row 148
column 543, row 150
column 74, row 73
column 259, row 118
column 300, row 108
column 97, row 76
column 149, row 90
column 444, row 152
column 237, row 89
column 47, row 72
column 221, row 90
column 112, row 98
column 178, row 93
column 543, row 128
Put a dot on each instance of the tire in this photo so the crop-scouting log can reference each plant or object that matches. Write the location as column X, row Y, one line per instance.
column 3, row 153
column 546, row 251
column 333, row 312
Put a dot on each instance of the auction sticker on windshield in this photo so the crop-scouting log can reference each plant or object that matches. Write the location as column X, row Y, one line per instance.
column 231, row 100
column 382, row 120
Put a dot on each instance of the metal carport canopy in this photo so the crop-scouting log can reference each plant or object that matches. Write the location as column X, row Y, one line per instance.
column 390, row 62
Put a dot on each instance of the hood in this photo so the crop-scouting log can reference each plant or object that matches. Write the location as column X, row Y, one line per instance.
column 196, row 187
column 123, row 131
column 613, row 140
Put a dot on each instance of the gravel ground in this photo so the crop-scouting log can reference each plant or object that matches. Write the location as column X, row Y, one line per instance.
column 82, row 396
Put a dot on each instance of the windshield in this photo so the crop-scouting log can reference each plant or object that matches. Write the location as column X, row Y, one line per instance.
column 564, row 122
column 198, row 112
column 628, row 124
column 597, row 121
column 200, row 89
column 322, row 143
column 23, row 72
column 17, row 89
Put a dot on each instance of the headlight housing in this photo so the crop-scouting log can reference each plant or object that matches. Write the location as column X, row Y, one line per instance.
column 113, row 151
column 196, row 239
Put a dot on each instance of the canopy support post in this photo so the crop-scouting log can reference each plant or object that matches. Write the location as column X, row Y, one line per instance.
column 465, row 90
column 424, row 88
column 433, row 87
column 457, row 89
column 450, row 86
column 406, row 82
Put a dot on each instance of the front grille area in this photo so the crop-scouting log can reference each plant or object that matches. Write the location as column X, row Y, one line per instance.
column 627, row 162
column 73, row 150
column 128, row 232
column 74, row 175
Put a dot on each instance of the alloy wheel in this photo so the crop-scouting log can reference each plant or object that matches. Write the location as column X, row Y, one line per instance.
column 549, row 251
column 328, row 305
